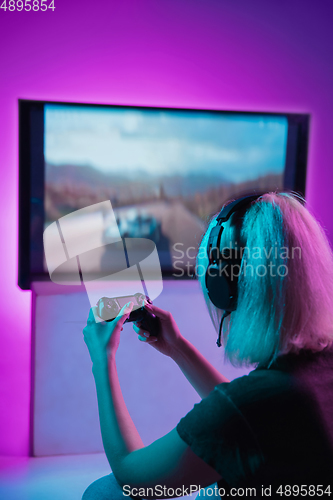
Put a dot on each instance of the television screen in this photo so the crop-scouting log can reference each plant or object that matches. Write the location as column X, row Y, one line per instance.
column 166, row 172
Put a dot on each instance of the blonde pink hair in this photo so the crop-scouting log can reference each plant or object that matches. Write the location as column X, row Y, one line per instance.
column 277, row 312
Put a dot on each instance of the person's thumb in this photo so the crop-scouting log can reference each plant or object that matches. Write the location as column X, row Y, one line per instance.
column 124, row 313
column 160, row 313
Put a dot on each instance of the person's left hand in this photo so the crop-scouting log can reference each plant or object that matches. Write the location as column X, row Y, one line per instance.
column 102, row 339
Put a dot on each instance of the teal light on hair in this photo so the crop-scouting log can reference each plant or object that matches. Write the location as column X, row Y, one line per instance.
column 254, row 329
column 285, row 291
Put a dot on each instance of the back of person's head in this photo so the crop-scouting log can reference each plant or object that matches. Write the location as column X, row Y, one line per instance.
column 285, row 284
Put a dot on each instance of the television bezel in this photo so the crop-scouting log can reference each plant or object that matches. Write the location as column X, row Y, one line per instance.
column 294, row 173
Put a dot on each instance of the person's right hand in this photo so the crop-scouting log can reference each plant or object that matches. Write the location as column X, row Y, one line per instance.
column 169, row 335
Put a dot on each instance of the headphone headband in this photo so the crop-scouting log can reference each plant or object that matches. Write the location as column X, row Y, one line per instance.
column 214, row 239
column 221, row 282
column 234, row 206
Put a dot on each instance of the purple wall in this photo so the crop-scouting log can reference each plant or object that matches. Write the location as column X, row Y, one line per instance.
column 258, row 55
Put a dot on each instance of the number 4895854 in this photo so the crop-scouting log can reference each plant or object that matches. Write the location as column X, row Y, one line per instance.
column 27, row 5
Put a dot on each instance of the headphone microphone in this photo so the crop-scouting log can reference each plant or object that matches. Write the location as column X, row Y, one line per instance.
column 221, row 283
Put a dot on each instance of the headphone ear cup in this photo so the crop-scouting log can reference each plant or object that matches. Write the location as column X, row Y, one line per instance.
column 219, row 286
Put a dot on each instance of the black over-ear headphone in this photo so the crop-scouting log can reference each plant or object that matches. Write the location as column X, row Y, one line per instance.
column 221, row 282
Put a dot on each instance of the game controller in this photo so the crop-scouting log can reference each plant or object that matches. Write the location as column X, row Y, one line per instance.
column 108, row 308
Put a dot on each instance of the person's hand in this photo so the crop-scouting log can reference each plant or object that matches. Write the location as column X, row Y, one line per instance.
column 103, row 338
column 169, row 336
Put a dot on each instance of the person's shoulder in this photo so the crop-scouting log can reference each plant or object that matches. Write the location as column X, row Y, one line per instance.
column 258, row 384
column 257, row 378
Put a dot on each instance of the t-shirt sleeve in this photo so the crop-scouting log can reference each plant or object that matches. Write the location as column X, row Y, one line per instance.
column 217, row 432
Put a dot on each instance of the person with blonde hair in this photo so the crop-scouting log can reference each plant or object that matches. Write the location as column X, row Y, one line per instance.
column 269, row 433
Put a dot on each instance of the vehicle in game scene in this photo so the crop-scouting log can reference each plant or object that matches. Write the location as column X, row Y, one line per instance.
column 133, row 224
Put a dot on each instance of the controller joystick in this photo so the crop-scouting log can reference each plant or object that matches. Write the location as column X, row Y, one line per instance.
column 108, row 308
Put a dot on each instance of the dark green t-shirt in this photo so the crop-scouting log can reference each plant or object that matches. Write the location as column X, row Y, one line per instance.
column 272, row 427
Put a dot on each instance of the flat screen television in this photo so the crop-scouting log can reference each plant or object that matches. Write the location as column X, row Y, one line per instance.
column 166, row 171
